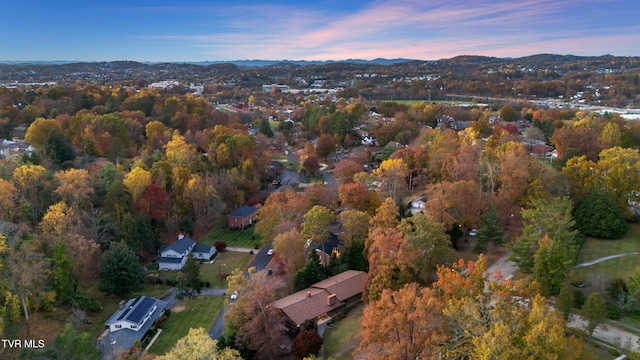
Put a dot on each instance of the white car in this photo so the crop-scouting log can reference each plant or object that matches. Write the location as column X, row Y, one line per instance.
column 270, row 252
column 234, row 296
column 473, row 232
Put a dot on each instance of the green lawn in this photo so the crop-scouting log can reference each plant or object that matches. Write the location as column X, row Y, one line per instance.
column 622, row 267
column 226, row 262
column 235, row 238
column 186, row 314
column 342, row 332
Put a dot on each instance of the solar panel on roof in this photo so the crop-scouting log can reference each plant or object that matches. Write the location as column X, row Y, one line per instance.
column 140, row 311
column 129, row 307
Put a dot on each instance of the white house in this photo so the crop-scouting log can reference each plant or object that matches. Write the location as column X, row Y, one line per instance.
column 130, row 323
column 135, row 314
column 174, row 256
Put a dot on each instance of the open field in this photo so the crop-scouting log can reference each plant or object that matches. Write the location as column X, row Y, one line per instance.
column 235, row 238
column 622, row 267
column 186, row 314
column 342, row 332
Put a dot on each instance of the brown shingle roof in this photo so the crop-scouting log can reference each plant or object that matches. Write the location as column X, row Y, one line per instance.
column 313, row 301
column 344, row 285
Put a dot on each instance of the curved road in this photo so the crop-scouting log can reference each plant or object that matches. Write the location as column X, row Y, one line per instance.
column 593, row 262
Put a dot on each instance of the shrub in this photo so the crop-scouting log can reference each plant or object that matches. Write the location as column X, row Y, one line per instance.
column 578, row 299
column 207, row 284
column 220, row 245
column 613, row 311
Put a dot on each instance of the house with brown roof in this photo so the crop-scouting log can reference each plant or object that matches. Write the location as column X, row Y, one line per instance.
column 324, row 299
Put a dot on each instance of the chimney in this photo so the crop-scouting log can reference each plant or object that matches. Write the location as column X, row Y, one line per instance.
column 180, row 236
column 121, row 305
column 308, row 293
column 332, row 299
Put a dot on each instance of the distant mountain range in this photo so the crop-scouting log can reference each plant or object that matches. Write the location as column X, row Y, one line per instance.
column 252, row 63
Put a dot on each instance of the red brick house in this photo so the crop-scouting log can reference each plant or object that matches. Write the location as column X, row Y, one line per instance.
column 242, row 216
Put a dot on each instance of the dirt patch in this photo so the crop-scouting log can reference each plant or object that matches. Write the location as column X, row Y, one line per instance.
column 177, row 308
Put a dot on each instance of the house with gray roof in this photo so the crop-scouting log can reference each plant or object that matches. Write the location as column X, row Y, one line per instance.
column 130, row 323
column 174, row 256
column 242, row 216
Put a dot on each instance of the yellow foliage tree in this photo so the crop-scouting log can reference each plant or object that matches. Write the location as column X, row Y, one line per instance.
column 198, row 345
column 136, row 182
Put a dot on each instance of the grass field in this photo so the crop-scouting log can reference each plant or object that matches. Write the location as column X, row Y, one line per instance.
column 342, row 332
column 186, row 314
column 622, row 267
column 235, row 238
column 226, row 262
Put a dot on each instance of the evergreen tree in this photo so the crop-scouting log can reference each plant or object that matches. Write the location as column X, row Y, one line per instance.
column 598, row 215
column 191, row 274
column 120, row 273
column 489, row 232
column 265, row 128
column 312, row 273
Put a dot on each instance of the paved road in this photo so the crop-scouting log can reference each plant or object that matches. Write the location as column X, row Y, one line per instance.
column 259, row 261
column 593, row 262
column 504, row 267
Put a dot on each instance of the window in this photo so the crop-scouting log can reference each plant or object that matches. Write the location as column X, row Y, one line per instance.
column 118, row 326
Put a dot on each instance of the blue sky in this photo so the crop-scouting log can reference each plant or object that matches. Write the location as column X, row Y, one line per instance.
column 200, row 30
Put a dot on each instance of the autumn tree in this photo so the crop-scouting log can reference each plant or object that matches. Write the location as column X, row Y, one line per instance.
column 40, row 130
column 25, row 272
column 392, row 175
column 311, row 164
column 281, row 212
column 34, row 185
column 355, row 226
column 345, row 169
column 203, row 201
column 457, row 202
column 306, row 343
column 325, row 146
column 153, row 203
column 551, row 264
column 8, row 207
column 354, row 195
column 75, row 187
column 292, row 247
column 136, row 182
column 257, row 325
column 485, row 319
column 198, row 345
column 120, row 273
column 316, row 224
column 403, row 324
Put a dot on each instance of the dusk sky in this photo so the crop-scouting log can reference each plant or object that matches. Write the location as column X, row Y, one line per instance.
column 200, row 30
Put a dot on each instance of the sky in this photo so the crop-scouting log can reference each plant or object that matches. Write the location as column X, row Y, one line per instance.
column 212, row 30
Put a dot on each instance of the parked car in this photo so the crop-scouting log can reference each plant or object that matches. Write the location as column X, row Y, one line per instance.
column 234, row 295
column 473, row 232
column 270, row 252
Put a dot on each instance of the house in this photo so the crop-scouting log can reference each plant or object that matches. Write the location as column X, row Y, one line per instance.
column 242, row 216
column 130, row 323
column 174, row 256
column 417, row 205
column 321, row 300
column 330, row 249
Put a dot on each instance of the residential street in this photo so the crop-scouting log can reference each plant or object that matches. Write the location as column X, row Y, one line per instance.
column 611, row 334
